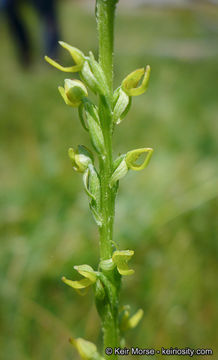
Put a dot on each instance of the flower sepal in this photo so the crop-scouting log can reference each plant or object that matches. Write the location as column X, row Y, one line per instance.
column 75, row 53
column 130, row 84
column 133, row 156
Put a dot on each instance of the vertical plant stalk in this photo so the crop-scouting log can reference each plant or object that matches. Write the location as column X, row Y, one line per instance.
column 105, row 14
column 105, row 11
column 101, row 183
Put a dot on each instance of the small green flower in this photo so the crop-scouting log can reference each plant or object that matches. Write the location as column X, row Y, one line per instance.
column 128, row 322
column 86, row 349
column 80, row 158
column 130, row 83
column 89, row 275
column 120, row 259
column 129, row 161
column 76, row 54
column 73, row 92
column 132, row 157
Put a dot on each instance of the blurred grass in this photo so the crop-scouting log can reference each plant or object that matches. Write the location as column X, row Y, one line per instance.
column 167, row 214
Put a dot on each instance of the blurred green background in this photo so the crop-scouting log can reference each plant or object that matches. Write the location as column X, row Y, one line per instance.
column 167, row 213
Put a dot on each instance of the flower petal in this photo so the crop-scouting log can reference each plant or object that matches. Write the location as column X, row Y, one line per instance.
column 78, row 284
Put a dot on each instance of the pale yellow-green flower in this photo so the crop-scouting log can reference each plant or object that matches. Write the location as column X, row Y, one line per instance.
column 89, row 275
column 131, row 83
column 76, row 54
column 73, row 92
column 120, row 259
column 86, row 349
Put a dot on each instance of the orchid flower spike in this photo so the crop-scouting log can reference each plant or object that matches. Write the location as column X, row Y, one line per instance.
column 76, row 54
column 130, row 83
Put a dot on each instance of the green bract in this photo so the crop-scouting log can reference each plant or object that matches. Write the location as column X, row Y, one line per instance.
column 119, row 172
column 122, row 103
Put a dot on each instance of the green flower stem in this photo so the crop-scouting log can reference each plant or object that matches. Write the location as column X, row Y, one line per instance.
column 105, row 12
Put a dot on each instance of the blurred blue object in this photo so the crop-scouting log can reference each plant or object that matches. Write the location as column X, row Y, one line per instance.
column 2, row 4
column 48, row 17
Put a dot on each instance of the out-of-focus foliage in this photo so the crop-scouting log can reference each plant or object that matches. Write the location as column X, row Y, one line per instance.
column 167, row 214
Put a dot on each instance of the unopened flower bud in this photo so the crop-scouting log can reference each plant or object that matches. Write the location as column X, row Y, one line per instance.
column 122, row 103
column 73, row 92
column 81, row 158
